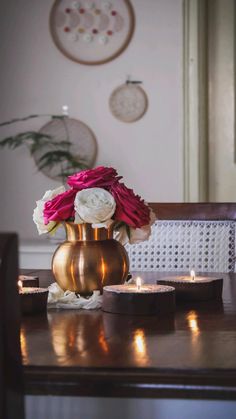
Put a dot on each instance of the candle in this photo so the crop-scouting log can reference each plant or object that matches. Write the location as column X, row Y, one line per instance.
column 138, row 298
column 29, row 281
column 193, row 287
column 32, row 300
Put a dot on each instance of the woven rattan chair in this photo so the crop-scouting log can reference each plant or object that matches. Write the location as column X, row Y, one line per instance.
column 188, row 236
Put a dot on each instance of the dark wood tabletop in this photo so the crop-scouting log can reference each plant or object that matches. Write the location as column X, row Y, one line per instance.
column 191, row 354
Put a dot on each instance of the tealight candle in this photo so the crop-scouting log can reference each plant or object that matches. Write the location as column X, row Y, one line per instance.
column 194, row 288
column 33, row 300
column 140, row 299
column 29, row 281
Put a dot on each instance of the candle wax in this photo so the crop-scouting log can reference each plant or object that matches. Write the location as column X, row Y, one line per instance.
column 132, row 288
column 188, row 279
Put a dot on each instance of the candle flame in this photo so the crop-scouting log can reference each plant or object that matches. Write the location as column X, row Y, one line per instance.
column 192, row 274
column 20, row 285
column 138, row 283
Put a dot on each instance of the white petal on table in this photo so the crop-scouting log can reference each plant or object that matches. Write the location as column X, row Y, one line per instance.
column 69, row 300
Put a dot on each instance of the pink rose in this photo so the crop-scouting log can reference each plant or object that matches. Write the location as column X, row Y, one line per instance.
column 100, row 177
column 130, row 208
column 60, row 208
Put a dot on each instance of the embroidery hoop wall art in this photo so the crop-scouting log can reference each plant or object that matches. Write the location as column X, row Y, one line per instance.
column 128, row 102
column 91, row 31
column 82, row 139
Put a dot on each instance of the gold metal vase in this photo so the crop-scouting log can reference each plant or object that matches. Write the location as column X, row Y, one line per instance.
column 89, row 259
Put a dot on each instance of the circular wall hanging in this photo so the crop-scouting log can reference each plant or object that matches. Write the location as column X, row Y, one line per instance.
column 82, row 146
column 128, row 102
column 91, row 31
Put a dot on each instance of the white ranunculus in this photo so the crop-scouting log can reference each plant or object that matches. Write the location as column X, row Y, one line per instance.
column 38, row 211
column 94, row 205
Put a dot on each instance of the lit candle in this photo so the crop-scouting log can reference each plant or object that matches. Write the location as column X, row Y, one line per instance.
column 29, row 281
column 194, row 288
column 146, row 299
column 20, row 285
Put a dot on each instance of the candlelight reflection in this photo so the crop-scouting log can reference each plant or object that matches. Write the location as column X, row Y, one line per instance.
column 23, row 344
column 140, row 347
column 80, row 344
column 193, row 322
column 72, row 337
column 102, row 341
column 103, row 270
column 139, row 340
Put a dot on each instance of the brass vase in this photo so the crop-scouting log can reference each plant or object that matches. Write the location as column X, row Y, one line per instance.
column 89, row 259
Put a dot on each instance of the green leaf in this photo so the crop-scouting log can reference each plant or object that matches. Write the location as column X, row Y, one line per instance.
column 57, row 157
column 59, row 116
column 26, row 138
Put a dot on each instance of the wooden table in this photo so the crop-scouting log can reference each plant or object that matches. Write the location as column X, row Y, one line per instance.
column 90, row 353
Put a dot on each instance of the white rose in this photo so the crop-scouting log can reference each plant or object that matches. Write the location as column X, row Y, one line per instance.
column 94, row 205
column 38, row 211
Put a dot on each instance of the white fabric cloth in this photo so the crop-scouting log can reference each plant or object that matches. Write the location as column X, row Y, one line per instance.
column 57, row 298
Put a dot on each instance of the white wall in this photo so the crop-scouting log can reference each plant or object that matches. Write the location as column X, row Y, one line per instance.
column 37, row 78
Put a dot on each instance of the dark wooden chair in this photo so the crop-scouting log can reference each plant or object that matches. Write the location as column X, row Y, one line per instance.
column 203, row 211
column 11, row 377
column 199, row 236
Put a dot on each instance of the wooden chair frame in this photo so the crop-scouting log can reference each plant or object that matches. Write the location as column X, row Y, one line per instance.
column 195, row 211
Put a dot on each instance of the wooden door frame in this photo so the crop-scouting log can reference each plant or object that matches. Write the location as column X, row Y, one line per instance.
column 195, row 94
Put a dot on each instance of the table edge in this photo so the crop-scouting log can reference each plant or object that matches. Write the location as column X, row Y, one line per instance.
column 109, row 382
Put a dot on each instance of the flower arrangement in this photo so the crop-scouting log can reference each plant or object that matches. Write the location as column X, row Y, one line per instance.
column 96, row 196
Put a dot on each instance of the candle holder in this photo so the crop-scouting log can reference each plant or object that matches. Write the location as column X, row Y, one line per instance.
column 139, row 300
column 194, row 288
column 33, row 300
